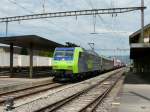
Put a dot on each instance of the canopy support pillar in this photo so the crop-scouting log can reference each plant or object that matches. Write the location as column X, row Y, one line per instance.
column 31, row 61
column 11, row 59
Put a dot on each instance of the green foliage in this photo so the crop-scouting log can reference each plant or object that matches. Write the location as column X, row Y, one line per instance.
column 24, row 51
column 46, row 53
column 69, row 44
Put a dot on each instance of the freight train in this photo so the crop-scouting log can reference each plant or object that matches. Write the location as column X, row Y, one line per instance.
column 77, row 63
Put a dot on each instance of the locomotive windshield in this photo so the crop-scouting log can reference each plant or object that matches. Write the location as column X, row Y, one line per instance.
column 63, row 55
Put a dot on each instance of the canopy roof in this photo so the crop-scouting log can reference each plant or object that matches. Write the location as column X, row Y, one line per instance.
column 139, row 31
column 37, row 42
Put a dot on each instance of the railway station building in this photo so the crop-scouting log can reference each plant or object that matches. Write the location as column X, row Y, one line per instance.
column 140, row 50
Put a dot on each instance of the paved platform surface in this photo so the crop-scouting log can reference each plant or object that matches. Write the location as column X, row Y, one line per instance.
column 135, row 98
column 135, row 95
column 9, row 84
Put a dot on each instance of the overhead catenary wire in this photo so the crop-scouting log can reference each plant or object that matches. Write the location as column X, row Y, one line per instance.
column 74, row 34
column 71, row 13
column 115, row 22
column 111, row 6
column 24, row 8
column 43, row 5
column 27, row 10
column 94, row 16
column 117, row 49
column 89, row 2
column 31, row 12
column 92, row 6
column 107, row 26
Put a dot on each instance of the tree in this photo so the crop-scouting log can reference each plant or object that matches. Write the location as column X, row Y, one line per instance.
column 46, row 53
column 69, row 44
column 24, row 51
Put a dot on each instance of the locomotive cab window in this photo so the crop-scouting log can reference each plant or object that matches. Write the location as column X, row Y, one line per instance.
column 64, row 55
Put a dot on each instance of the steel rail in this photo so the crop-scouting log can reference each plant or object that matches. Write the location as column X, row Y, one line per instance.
column 57, row 105
column 18, row 94
column 99, row 99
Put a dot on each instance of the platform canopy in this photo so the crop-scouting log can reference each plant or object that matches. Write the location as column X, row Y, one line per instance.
column 136, row 53
column 133, row 35
column 139, row 48
column 32, row 42
column 37, row 42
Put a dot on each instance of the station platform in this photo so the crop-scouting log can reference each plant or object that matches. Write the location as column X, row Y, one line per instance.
column 135, row 95
column 12, row 84
column 135, row 98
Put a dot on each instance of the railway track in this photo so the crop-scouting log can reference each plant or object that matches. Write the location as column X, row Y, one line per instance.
column 92, row 106
column 80, row 97
column 86, row 100
column 24, row 72
column 18, row 94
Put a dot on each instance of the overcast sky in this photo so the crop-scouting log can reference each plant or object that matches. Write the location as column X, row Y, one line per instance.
column 113, row 32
